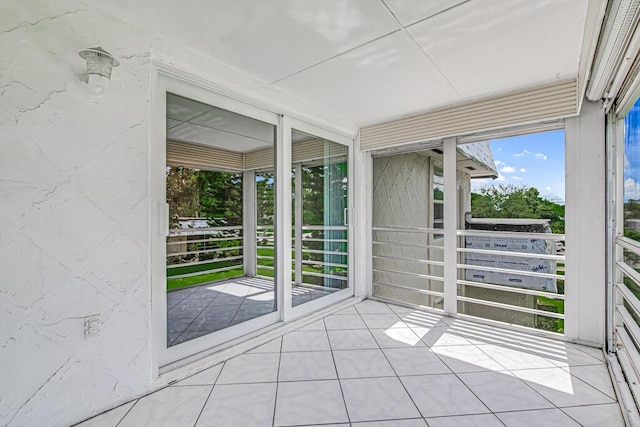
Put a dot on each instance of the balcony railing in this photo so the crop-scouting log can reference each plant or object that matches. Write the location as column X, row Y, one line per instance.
column 200, row 251
column 522, row 287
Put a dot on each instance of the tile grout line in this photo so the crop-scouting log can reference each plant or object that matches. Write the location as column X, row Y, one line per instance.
column 126, row 413
column 210, row 392
column 344, row 401
column 275, row 400
column 389, row 362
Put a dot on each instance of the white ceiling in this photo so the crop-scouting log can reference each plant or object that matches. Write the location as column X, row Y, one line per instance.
column 192, row 121
column 374, row 60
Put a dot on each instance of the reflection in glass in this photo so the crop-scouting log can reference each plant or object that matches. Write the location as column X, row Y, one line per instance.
column 211, row 282
column 320, row 215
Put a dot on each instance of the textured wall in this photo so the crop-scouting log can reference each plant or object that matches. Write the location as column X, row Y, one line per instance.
column 74, row 208
column 73, row 216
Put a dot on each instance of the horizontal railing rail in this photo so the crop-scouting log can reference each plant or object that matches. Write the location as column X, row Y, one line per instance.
column 191, row 250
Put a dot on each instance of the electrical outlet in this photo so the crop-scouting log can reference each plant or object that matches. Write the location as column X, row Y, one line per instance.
column 92, row 326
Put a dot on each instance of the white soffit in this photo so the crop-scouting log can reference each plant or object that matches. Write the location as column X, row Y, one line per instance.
column 411, row 11
column 389, row 77
column 484, row 47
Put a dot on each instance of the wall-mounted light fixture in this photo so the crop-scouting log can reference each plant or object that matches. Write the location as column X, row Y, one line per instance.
column 99, row 65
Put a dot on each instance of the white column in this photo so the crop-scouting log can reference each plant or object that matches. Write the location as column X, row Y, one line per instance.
column 360, row 248
column 585, row 229
column 298, row 223
column 283, row 218
column 249, row 223
column 450, row 227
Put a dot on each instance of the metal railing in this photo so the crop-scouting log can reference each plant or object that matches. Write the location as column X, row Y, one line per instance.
column 627, row 310
column 199, row 251
column 510, row 282
column 408, row 265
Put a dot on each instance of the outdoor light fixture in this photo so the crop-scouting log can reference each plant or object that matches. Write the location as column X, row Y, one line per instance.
column 99, row 65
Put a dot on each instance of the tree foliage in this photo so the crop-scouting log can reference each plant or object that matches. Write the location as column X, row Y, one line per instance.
column 510, row 201
column 216, row 196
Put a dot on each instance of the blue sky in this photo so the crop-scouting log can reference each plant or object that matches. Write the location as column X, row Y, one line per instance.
column 632, row 154
column 535, row 160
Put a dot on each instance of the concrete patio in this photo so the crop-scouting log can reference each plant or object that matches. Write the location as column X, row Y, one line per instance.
column 199, row 310
column 377, row 364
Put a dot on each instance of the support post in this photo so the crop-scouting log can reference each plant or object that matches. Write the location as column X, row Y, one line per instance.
column 283, row 218
column 249, row 228
column 450, row 227
column 298, row 223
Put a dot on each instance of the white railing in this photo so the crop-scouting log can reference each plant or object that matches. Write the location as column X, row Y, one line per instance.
column 627, row 311
column 208, row 249
column 408, row 265
column 492, row 283
column 528, row 260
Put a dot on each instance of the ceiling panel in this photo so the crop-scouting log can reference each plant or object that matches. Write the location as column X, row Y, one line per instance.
column 387, row 78
column 183, row 109
column 488, row 46
column 269, row 39
column 188, row 132
column 236, row 123
column 411, row 11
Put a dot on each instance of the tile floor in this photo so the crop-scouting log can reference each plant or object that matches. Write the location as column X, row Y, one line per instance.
column 200, row 310
column 381, row 365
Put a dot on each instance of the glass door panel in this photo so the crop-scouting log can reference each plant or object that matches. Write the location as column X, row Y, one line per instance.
column 320, row 217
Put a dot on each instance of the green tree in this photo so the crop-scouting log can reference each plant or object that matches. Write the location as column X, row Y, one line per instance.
column 510, row 201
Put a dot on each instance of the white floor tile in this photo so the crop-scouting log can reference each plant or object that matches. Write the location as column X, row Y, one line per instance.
column 442, row 395
column 372, row 399
column 466, row 358
column 419, row 319
column 250, row 368
column 511, row 357
column 318, row 325
column 383, row 321
column 170, row 407
column 415, row 422
column 561, row 388
column 415, row 361
column 344, row 321
column 239, row 405
column 483, row 420
column 270, row 347
column 352, row 340
column 545, row 417
column 570, row 356
column 396, row 338
column 372, row 307
column 501, row 391
column 591, row 351
column 108, row 419
column 476, row 333
column 309, row 365
column 305, row 341
column 206, row 377
column 362, row 364
column 309, row 402
column 348, row 310
column 596, row 376
column 597, row 415
column 439, row 336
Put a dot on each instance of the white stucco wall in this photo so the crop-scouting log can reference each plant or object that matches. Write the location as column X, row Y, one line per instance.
column 74, row 209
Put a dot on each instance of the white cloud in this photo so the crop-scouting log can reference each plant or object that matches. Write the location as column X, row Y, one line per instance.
column 525, row 152
column 508, row 169
column 523, row 170
column 499, row 162
column 631, row 189
column 500, row 178
column 517, row 178
column 548, row 188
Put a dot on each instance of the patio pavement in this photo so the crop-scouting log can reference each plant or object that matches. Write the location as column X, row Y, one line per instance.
column 382, row 365
column 200, row 310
